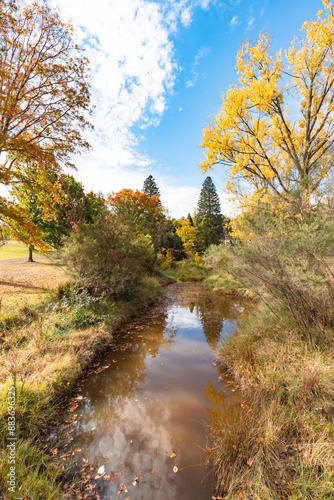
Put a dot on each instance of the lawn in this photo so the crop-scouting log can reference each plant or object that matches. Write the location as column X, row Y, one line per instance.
column 23, row 284
column 15, row 250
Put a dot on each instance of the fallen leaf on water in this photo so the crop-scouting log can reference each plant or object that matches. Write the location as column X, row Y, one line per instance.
column 101, row 470
column 175, row 469
column 173, row 455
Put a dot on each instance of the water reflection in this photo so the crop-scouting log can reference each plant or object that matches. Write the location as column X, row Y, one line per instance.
column 153, row 400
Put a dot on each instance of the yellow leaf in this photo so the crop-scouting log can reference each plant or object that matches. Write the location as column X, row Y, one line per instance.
column 173, row 455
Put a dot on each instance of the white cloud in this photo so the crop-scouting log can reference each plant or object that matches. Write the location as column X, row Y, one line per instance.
column 133, row 63
column 250, row 22
column 234, row 22
column 186, row 17
column 195, row 74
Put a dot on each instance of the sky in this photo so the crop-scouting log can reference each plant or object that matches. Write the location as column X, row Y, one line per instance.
column 159, row 69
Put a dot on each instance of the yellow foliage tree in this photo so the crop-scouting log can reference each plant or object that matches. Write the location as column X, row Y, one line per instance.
column 187, row 233
column 282, row 155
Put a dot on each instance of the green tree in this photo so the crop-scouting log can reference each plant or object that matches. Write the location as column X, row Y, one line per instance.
column 109, row 258
column 150, row 187
column 190, row 219
column 209, row 207
column 206, row 235
column 54, row 219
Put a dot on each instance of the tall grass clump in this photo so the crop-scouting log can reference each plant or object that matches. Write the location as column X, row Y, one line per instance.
column 280, row 444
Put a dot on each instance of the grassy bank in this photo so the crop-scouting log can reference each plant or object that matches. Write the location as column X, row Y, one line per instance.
column 49, row 335
column 281, row 443
column 186, row 270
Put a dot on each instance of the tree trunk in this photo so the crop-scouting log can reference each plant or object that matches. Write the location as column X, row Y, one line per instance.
column 30, row 259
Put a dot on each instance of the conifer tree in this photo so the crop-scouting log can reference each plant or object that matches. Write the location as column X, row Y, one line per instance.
column 150, row 187
column 206, row 235
column 209, row 207
column 190, row 219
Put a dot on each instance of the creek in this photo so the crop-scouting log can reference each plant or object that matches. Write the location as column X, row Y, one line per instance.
column 143, row 415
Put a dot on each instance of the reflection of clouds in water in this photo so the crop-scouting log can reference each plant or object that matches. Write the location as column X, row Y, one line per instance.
column 182, row 318
column 138, row 442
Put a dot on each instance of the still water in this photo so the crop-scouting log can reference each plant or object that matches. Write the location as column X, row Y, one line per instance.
column 145, row 416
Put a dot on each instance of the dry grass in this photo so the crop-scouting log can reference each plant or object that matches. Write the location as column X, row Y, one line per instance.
column 46, row 343
column 280, row 445
column 23, row 284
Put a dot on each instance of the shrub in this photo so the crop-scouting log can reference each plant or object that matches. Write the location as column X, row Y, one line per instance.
column 217, row 257
column 109, row 258
column 291, row 269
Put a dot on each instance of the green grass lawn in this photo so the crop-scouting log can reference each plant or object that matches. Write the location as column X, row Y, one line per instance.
column 15, row 250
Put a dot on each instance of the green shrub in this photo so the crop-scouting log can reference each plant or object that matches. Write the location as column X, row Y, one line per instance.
column 289, row 264
column 217, row 257
column 109, row 258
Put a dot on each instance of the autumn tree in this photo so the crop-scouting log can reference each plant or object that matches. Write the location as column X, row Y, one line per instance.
column 150, row 187
column 44, row 95
column 187, row 233
column 282, row 155
column 54, row 217
column 136, row 209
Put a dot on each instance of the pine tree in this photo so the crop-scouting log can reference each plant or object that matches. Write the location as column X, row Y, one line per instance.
column 190, row 219
column 206, row 235
column 209, row 207
column 150, row 187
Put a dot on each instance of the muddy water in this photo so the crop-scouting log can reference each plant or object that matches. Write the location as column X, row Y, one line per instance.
column 155, row 398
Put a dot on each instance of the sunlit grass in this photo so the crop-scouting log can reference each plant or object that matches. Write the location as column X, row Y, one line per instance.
column 281, row 446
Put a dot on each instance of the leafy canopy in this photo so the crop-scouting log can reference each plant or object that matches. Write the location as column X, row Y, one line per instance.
column 44, row 95
column 278, row 153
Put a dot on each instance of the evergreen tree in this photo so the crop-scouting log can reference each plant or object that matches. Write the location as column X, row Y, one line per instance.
column 190, row 219
column 206, row 235
column 209, row 207
column 150, row 187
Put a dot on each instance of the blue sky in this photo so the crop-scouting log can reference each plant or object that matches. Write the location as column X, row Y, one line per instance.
column 159, row 69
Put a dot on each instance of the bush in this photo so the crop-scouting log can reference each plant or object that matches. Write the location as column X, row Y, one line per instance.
column 107, row 258
column 291, row 269
column 217, row 257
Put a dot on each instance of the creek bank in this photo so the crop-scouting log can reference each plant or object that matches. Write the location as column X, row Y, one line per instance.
column 281, row 444
column 46, row 349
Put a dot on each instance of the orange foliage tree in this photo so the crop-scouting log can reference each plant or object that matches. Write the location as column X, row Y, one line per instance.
column 44, row 95
column 137, row 210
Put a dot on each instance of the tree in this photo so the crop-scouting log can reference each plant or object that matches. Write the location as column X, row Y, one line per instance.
column 281, row 155
column 108, row 258
column 44, row 93
column 206, row 235
column 187, row 233
column 53, row 217
column 150, row 187
column 190, row 219
column 209, row 207
column 136, row 210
